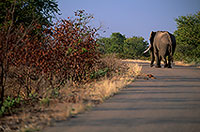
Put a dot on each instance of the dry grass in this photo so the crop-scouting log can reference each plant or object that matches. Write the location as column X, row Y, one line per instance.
column 108, row 87
column 74, row 100
column 181, row 63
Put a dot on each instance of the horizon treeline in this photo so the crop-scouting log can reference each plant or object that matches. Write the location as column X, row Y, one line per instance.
column 129, row 48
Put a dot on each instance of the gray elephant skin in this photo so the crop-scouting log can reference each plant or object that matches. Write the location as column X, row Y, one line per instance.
column 162, row 46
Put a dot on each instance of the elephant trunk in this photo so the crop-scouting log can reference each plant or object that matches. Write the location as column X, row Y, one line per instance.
column 147, row 49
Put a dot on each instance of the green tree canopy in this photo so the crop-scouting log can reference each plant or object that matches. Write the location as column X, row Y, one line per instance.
column 188, row 38
column 125, row 47
column 24, row 11
column 134, row 47
column 114, row 44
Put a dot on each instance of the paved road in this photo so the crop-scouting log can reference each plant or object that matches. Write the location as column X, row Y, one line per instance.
column 170, row 103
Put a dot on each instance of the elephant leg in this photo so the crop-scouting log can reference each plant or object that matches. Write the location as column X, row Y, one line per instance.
column 152, row 59
column 158, row 58
column 165, row 62
column 169, row 61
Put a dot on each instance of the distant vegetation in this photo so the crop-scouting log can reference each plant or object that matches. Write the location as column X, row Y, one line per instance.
column 188, row 38
column 117, row 43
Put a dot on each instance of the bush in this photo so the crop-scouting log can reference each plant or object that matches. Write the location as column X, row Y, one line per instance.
column 187, row 37
column 73, row 47
column 8, row 105
column 39, row 64
column 109, row 65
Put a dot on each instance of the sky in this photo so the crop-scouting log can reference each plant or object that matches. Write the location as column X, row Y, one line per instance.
column 131, row 17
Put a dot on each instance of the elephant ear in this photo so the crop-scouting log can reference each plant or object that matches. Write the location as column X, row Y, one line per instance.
column 169, row 37
column 152, row 35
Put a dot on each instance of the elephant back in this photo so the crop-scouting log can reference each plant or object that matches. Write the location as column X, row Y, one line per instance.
column 164, row 37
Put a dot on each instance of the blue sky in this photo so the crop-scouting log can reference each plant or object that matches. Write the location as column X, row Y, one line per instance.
column 132, row 17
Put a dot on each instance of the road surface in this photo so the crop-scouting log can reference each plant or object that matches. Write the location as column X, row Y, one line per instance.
column 170, row 103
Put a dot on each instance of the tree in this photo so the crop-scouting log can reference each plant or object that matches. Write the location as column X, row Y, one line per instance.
column 117, row 42
column 26, row 10
column 22, row 23
column 188, row 38
column 114, row 44
column 134, row 47
column 125, row 47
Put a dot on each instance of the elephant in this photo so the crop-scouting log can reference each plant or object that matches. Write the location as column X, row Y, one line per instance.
column 162, row 45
